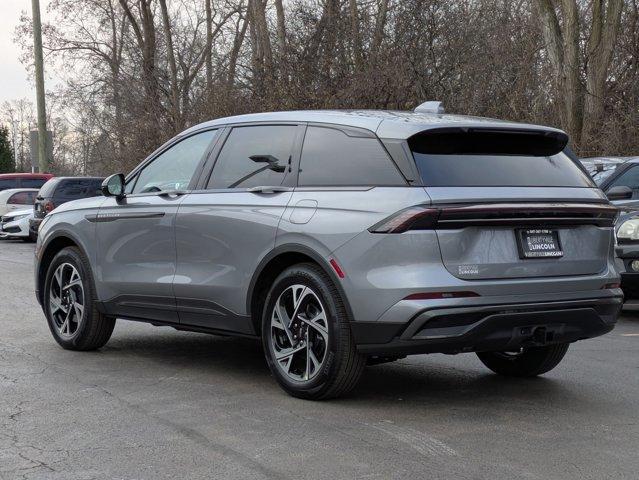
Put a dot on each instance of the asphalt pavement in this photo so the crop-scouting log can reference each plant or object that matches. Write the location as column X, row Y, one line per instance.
column 156, row 403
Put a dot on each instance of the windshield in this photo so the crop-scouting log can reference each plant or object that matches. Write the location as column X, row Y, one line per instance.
column 599, row 177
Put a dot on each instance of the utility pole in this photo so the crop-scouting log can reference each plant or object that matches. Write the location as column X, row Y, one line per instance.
column 43, row 163
column 14, row 133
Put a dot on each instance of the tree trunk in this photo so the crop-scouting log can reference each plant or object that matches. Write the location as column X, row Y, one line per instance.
column 355, row 35
column 380, row 24
column 209, row 45
column 603, row 37
column 563, row 53
column 174, row 89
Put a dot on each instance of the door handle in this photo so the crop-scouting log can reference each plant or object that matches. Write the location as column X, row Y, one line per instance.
column 266, row 189
column 172, row 193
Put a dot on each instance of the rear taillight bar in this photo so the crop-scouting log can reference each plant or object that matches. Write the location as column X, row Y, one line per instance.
column 426, row 217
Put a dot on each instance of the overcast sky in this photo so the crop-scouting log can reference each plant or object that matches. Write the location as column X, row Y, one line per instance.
column 14, row 82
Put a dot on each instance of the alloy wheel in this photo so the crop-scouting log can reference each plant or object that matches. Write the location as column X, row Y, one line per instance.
column 66, row 300
column 299, row 333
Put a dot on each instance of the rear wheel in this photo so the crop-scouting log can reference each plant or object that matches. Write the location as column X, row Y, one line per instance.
column 528, row 362
column 306, row 335
column 69, row 303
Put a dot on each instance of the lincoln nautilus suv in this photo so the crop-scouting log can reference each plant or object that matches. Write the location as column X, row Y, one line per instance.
column 343, row 239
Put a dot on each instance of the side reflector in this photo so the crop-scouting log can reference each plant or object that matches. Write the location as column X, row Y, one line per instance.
column 439, row 295
column 608, row 286
column 337, row 268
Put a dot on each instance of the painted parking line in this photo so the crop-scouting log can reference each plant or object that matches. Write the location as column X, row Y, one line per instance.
column 630, row 334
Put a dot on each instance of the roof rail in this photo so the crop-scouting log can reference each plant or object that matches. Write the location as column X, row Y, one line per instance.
column 430, row 107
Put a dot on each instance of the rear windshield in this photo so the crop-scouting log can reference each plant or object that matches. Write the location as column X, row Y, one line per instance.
column 48, row 188
column 461, row 160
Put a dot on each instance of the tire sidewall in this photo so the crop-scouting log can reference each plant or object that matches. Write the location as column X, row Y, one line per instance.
column 73, row 257
column 305, row 276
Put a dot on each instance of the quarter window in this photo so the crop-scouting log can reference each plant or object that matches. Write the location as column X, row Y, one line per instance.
column 332, row 158
column 174, row 168
column 254, row 156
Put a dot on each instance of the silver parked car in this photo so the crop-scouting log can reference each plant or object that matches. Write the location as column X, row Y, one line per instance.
column 342, row 238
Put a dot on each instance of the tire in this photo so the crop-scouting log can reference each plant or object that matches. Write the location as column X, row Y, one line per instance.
column 321, row 325
column 74, row 328
column 530, row 362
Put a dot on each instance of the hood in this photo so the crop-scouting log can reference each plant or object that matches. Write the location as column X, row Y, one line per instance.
column 18, row 213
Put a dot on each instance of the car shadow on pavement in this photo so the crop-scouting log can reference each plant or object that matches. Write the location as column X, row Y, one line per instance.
column 212, row 359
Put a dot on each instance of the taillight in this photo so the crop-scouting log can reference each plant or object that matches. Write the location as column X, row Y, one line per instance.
column 48, row 206
column 412, row 218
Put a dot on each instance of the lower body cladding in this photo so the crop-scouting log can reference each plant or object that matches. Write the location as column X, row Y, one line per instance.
column 487, row 325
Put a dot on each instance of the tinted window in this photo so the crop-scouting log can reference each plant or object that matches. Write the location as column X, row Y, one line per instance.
column 493, row 158
column 81, row 188
column 254, row 156
column 32, row 182
column 22, row 198
column 332, row 158
column 499, row 170
column 8, row 183
column 630, row 178
column 49, row 187
column 174, row 168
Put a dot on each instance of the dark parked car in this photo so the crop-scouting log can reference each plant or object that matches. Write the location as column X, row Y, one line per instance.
column 618, row 177
column 61, row 190
column 23, row 180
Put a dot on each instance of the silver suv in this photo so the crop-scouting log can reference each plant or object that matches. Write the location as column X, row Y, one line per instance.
column 343, row 238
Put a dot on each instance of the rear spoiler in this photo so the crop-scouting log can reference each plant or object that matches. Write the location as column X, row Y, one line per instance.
column 489, row 141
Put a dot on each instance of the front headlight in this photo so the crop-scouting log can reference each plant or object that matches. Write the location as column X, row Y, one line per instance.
column 629, row 231
column 17, row 217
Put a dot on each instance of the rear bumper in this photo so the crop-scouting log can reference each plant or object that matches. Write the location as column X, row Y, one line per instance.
column 490, row 327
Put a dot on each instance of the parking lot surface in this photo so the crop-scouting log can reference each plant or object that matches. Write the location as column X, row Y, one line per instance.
column 156, row 403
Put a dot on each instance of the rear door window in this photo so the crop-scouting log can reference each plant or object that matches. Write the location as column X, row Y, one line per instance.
column 254, row 156
column 330, row 157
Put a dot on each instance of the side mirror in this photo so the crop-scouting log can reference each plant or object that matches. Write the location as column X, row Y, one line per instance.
column 113, row 186
column 620, row 192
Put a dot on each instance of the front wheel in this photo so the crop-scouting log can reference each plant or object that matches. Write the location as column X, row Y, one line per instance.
column 528, row 362
column 69, row 303
column 306, row 335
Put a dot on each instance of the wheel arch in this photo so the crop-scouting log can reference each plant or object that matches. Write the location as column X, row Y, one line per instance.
column 274, row 263
column 56, row 242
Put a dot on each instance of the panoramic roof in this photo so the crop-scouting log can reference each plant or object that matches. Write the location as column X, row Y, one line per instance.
column 385, row 123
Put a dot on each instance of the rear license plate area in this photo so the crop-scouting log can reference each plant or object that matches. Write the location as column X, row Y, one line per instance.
column 538, row 243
